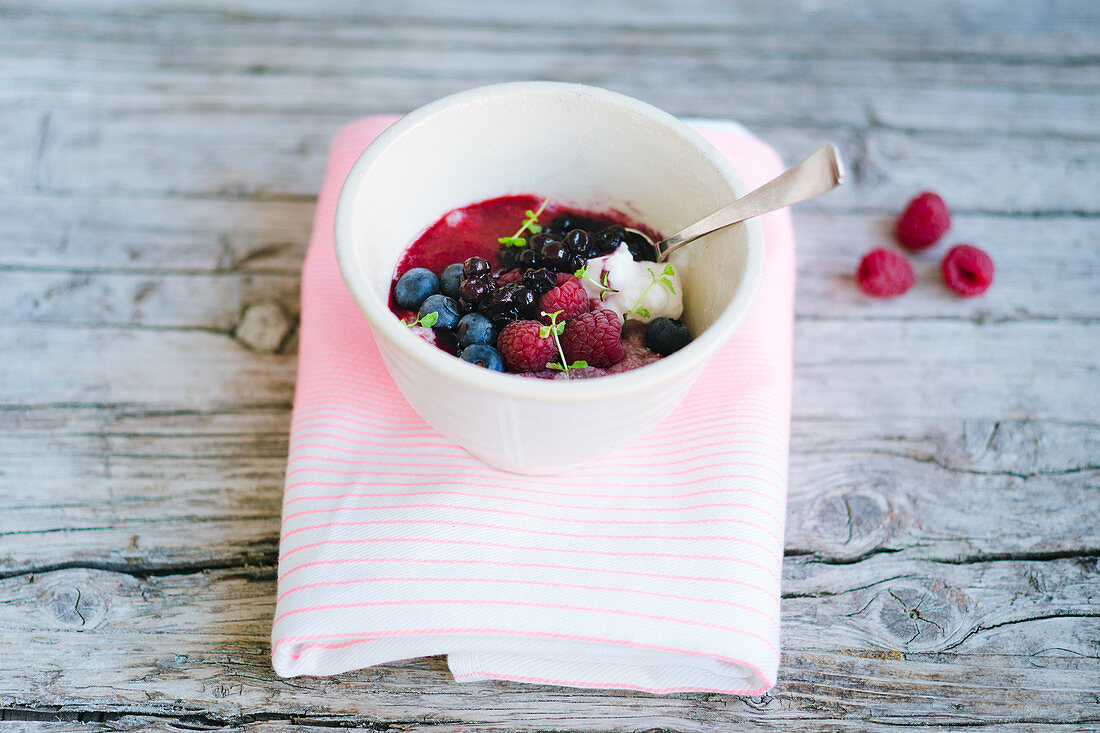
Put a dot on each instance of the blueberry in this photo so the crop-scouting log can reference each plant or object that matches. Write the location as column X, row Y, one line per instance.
column 557, row 256
column 577, row 240
column 474, row 328
column 609, row 239
column 640, row 249
column 665, row 335
column 540, row 281
column 501, row 317
column 524, row 297
column 565, row 222
column 509, row 257
column 476, row 267
column 450, row 279
column 529, row 258
column 483, row 355
column 475, row 289
column 414, row 286
column 446, row 309
column 539, row 241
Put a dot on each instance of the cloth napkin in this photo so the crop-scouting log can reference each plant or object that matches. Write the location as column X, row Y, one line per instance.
column 656, row 569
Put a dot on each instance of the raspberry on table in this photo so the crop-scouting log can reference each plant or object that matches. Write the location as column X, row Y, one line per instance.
column 923, row 222
column 594, row 337
column 884, row 274
column 523, row 349
column 569, row 297
column 967, row 270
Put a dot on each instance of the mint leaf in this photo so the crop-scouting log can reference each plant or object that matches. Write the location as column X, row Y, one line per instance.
column 558, row 367
column 668, row 270
column 429, row 320
column 512, row 241
column 535, row 228
column 544, row 331
column 578, row 364
column 642, row 312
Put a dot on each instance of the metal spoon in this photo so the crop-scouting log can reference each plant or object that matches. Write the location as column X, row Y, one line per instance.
column 812, row 177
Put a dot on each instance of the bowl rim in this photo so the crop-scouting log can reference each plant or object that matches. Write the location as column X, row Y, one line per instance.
column 384, row 324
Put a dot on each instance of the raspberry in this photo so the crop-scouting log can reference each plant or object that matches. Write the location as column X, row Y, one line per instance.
column 923, row 222
column 522, row 347
column 594, row 337
column 967, row 270
column 509, row 276
column 569, row 297
column 884, row 274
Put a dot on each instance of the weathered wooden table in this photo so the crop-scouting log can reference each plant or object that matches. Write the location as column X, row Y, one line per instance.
column 158, row 167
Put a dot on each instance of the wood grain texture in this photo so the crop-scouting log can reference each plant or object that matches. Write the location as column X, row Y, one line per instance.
column 158, row 167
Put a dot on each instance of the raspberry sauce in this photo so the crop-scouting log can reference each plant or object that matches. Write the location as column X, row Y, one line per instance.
column 473, row 231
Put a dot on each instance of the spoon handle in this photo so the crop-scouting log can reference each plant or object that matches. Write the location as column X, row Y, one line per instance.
column 814, row 176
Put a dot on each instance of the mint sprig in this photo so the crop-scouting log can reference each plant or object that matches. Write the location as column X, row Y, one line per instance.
column 530, row 224
column 556, row 329
column 663, row 279
column 429, row 320
column 605, row 287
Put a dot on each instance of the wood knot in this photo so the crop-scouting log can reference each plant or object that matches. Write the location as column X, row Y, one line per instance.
column 915, row 617
column 79, row 607
column 856, row 521
column 264, row 326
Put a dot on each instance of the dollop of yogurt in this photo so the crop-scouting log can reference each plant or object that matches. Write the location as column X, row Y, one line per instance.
column 641, row 286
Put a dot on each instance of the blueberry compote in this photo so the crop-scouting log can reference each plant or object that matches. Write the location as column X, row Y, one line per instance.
column 496, row 266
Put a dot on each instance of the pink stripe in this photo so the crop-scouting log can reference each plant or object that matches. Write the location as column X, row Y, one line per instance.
column 367, row 470
column 389, row 444
column 770, row 594
column 526, row 530
column 529, row 604
column 480, row 673
column 587, row 473
column 687, row 452
column 516, row 581
column 364, row 637
column 488, row 482
column 543, row 492
column 384, row 507
column 566, row 550
column 642, row 449
column 378, row 424
column 525, row 501
column 715, row 418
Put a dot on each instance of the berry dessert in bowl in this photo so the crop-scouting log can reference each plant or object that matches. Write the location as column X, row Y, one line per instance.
column 488, row 238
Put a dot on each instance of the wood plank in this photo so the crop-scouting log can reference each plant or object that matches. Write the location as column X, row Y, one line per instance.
column 883, row 370
column 110, row 261
column 212, row 302
column 366, row 75
column 228, row 154
column 153, row 234
column 123, row 366
column 199, row 642
column 130, row 488
column 1055, row 31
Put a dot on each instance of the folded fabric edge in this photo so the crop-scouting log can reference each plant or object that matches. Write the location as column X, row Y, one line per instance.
column 726, row 676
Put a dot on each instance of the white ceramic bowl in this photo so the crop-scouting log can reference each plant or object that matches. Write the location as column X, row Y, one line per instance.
column 579, row 146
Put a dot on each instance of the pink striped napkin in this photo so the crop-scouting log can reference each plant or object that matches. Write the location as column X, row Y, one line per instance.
column 656, row 569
